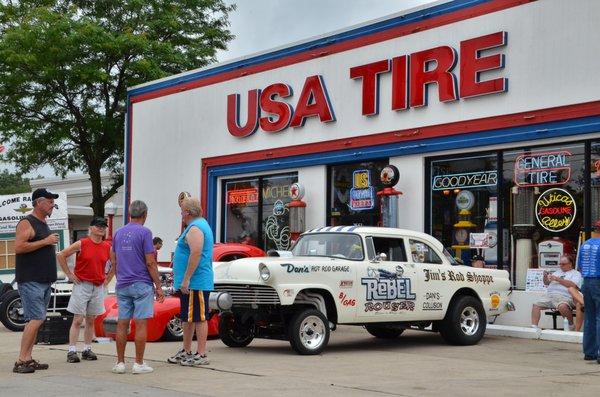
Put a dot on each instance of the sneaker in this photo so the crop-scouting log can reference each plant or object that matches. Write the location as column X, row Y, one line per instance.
column 194, row 360
column 141, row 368
column 21, row 367
column 589, row 358
column 36, row 364
column 119, row 368
column 177, row 357
column 88, row 355
column 72, row 357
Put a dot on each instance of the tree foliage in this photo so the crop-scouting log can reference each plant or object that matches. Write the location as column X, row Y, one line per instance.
column 65, row 66
column 11, row 183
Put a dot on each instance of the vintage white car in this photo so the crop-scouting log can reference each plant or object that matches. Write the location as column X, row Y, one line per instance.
column 384, row 279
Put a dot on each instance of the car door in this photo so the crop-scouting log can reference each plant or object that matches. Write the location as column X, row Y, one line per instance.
column 430, row 280
column 385, row 281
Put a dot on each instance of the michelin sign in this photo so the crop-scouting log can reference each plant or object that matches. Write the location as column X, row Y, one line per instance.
column 15, row 207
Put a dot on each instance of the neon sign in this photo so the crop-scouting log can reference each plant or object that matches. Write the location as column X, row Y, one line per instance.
column 362, row 195
column 555, row 210
column 468, row 180
column 543, row 169
column 242, row 196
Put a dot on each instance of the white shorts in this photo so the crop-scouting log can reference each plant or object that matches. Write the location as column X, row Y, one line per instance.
column 87, row 299
column 552, row 301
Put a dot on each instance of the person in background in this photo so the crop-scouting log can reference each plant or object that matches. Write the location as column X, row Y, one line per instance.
column 132, row 258
column 87, row 299
column 193, row 277
column 557, row 296
column 35, row 271
column 589, row 263
column 157, row 243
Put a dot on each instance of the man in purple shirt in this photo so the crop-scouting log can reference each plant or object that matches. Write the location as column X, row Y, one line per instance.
column 132, row 256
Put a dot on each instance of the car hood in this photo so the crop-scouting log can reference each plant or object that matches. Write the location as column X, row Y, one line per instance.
column 247, row 270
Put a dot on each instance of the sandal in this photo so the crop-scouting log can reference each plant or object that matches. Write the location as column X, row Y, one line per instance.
column 36, row 364
column 22, row 367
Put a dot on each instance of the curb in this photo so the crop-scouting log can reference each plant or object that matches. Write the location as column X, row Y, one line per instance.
column 532, row 333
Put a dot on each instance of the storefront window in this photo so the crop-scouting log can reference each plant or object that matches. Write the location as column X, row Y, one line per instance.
column 595, row 183
column 464, row 200
column 256, row 213
column 7, row 254
column 544, row 194
column 353, row 193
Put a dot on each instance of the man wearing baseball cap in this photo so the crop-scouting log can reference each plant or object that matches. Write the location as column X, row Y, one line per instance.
column 87, row 300
column 35, row 271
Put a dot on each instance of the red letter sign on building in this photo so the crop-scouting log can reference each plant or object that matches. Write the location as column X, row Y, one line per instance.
column 313, row 101
column 281, row 110
column 444, row 59
column 471, row 65
column 370, row 84
column 233, row 114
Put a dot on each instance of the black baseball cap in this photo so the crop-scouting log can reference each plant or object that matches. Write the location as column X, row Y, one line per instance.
column 42, row 192
column 98, row 221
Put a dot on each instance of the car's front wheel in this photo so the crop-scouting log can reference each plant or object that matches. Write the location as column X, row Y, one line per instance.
column 11, row 311
column 464, row 323
column 384, row 332
column 233, row 332
column 309, row 332
column 174, row 329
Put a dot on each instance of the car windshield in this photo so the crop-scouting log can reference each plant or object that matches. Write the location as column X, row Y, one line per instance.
column 452, row 259
column 335, row 245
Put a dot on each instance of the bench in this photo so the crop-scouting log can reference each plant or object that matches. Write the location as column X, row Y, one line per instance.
column 555, row 314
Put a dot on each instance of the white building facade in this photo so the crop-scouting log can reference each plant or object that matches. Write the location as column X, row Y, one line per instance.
column 488, row 107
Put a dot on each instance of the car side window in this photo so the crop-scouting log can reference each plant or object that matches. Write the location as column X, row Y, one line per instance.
column 392, row 247
column 423, row 253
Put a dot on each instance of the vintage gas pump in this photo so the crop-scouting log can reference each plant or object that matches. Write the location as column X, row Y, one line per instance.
column 388, row 196
column 465, row 200
column 550, row 251
column 297, row 209
column 523, row 228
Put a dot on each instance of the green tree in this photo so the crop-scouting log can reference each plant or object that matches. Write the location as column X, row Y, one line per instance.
column 11, row 183
column 65, row 66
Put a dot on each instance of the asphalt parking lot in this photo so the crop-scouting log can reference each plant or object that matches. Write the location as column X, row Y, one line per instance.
column 354, row 364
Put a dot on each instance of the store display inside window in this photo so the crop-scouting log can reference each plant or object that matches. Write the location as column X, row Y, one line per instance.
column 256, row 211
column 544, row 195
column 595, row 186
column 353, row 193
column 464, row 201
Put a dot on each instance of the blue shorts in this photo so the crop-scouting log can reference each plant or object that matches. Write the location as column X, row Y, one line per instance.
column 136, row 301
column 194, row 306
column 35, row 298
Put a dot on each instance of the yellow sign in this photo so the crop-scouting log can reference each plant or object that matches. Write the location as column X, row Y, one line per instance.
column 361, row 179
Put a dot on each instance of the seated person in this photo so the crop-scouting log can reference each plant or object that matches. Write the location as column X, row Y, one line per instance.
column 557, row 296
column 477, row 261
column 578, row 299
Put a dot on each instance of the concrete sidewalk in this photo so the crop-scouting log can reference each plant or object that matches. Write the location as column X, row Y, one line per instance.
column 354, row 364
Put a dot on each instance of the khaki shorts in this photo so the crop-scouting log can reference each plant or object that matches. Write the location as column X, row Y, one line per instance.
column 552, row 301
column 87, row 299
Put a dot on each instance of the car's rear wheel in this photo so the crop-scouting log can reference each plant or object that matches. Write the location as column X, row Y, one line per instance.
column 384, row 332
column 465, row 322
column 11, row 311
column 309, row 332
column 233, row 332
column 174, row 329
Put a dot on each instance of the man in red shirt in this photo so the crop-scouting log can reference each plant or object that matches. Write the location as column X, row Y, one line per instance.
column 88, row 276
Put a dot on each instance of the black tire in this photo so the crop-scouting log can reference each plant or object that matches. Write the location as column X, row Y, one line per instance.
column 309, row 332
column 11, row 311
column 174, row 330
column 465, row 322
column 384, row 332
column 233, row 332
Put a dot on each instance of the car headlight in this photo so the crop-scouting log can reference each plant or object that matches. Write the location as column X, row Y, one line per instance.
column 265, row 273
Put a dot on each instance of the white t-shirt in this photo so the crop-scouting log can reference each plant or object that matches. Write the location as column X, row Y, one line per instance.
column 572, row 275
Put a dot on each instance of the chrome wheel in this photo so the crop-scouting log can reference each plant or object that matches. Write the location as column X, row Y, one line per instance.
column 469, row 321
column 174, row 326
column 312, row 332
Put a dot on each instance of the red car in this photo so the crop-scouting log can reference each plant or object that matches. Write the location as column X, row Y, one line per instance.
column 166, row 323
